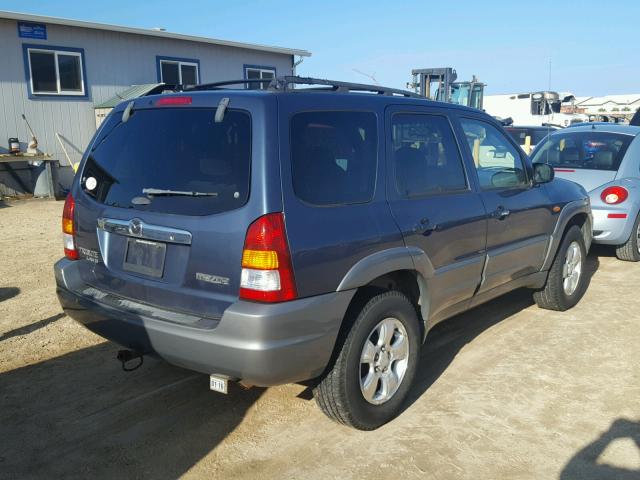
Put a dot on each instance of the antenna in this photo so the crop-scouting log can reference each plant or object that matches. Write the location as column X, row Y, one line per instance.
column 549, row 115
column 372, row 77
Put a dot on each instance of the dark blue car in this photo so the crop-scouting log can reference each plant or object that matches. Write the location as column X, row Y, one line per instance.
column 287, row 234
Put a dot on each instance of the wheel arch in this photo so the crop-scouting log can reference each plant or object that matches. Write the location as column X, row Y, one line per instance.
column 576, row 213
column 406, row 269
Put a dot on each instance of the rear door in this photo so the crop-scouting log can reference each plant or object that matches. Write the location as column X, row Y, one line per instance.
column 520, row 217
column 333, row 186
column 165, row 198
column 434, row 202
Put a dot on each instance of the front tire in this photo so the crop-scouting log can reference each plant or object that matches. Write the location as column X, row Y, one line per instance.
column 375, row 364
column 630, row 251
column 566, row 282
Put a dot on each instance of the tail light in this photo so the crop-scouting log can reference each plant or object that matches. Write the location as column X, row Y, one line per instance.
column 614, row 195
column 267, row 273
column 69, row 228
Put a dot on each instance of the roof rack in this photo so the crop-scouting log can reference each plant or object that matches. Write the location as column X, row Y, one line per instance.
column 217, row 85
column 285, row 83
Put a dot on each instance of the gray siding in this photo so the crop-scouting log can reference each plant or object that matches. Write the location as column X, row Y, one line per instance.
column 113, row 62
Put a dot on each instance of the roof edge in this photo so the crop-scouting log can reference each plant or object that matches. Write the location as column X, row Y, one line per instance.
column 28, row 17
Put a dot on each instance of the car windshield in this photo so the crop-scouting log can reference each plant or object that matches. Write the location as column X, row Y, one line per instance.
column 172, row 160
column 583, row 150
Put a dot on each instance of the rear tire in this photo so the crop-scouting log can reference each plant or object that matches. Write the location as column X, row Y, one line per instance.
column 375, row 364
column 566, row 282
column 630, row 251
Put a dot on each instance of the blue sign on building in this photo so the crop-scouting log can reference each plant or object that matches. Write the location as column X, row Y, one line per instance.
column 32, row 30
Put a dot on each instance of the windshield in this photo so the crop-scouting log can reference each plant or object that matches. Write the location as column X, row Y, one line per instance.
column 172, row 160
column 545, row 103
column 588, row 150
column 460, row 93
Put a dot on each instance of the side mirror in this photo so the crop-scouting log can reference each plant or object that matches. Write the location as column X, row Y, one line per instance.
column 542, row 173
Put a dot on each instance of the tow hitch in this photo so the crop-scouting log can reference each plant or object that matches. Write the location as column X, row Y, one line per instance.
column 126, row 356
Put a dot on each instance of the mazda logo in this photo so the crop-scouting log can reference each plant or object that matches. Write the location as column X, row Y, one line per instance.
column 135, row 227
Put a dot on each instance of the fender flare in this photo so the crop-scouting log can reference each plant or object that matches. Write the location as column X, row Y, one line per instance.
column 390, row 260
column 569, row 211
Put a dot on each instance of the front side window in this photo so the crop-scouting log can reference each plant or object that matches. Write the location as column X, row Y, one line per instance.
column 259, row 73
column 584, row 150
column 497, row 161
column 179, row 72
column 334, row 157
column 425, row 156
column 55, row 72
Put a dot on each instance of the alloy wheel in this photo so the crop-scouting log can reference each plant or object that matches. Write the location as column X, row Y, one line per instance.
column 383, row 361
column 572, row 269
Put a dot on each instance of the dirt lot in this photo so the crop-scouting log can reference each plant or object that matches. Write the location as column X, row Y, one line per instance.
column 504, row 391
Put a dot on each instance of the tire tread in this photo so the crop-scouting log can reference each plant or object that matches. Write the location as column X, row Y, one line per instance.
column 628, row 251
column 551, row 296
column 329, row 393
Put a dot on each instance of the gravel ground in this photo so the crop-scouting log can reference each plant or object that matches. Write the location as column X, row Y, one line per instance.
column 504, row 391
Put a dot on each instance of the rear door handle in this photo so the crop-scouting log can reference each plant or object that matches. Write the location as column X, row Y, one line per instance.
column 424, row 226
column 501, row 213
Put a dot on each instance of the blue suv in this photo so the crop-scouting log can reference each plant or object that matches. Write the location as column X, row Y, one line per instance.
column 309, row 229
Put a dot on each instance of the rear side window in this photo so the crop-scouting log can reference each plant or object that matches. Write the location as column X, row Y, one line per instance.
column 334, row 157
column 426, row 158
column 588, row 150
column 177, row 149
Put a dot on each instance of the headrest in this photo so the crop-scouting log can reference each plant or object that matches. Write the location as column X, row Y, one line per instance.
column 570, row 155
column 603, row 159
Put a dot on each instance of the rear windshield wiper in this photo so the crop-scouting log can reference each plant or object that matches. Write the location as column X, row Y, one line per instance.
column 157, row 192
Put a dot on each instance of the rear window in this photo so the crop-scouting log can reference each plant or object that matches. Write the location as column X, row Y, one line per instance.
column 587, row 150
column 334, row 157
column 176, row 150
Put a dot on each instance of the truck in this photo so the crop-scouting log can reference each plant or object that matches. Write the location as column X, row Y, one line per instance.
column 533, row 108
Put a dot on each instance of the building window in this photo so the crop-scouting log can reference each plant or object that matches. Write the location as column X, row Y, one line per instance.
column 55, row 71
column 178, row 71
column 252, row 72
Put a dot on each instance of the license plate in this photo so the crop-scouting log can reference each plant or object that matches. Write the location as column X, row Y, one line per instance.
column 145, row 257
column 218, row 384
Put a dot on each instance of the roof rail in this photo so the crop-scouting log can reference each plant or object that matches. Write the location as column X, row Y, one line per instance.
column 217, row 85
column 337, row 86
column 285, row 84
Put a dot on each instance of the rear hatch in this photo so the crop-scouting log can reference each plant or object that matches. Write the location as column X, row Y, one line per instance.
column 165, row 197
column 590, row 158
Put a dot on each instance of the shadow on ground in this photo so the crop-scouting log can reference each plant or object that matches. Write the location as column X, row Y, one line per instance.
column 32, row 327
column 585, row 464
column 445, row 340
column 80, row 416
column 8, row 292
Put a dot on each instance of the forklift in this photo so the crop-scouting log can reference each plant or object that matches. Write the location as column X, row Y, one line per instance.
column 440, row 84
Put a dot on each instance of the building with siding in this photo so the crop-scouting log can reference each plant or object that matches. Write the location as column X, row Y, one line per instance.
column 56, row 71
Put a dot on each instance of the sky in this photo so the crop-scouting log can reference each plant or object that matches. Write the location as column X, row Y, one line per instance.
column 586, row 47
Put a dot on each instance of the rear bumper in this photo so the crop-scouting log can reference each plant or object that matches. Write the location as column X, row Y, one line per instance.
column 612, row 231
column 262, row 344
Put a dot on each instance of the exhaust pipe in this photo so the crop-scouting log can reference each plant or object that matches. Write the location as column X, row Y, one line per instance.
column 126, row 356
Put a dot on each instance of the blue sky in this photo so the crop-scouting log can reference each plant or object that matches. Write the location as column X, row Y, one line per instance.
column 593, row 46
